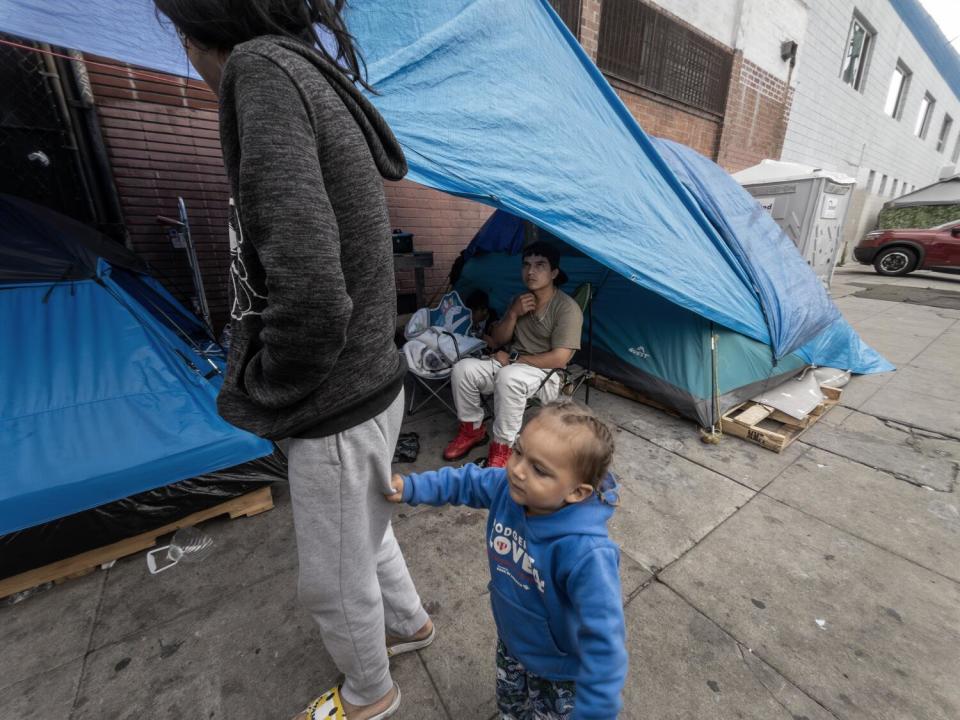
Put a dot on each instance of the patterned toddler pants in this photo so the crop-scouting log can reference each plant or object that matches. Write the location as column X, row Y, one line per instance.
column 521, row 695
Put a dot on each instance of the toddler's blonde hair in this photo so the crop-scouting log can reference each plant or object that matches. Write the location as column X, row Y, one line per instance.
column 592, row 441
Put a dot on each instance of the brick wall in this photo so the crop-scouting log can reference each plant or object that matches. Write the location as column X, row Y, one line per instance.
column 664, row 118
column 442, row 223
column 163, row 140
column 758, row 105
column 590, row 26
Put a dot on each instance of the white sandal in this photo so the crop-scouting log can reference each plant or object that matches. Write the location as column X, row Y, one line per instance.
column 329, row 706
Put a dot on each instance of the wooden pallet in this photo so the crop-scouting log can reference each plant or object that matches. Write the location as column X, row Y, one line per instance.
column 751, row 421
column 252, row 503
column 770, row 428
column 617, row 388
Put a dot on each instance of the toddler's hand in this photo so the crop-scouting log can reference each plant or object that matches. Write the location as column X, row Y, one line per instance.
column 397, row 484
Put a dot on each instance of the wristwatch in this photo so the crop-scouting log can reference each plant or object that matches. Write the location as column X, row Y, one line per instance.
column 514, row 356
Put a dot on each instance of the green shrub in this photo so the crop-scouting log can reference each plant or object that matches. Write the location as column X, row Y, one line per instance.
column 923, row 216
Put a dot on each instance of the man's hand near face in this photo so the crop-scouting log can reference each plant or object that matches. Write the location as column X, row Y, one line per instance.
column 523, row 304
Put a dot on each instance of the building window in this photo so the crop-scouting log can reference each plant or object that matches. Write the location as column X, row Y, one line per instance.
column 893, row 190
column 923, row 117
column 870, row 178
column 640, row 45
column 944, row 133
column 897, row 92
column 883, row 185
column 569, row 12
column 956, row 150
column 857, row 54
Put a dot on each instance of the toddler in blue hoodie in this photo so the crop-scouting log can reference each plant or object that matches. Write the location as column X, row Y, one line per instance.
column 555, row 585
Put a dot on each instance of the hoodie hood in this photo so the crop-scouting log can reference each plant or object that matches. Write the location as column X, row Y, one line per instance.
column 589, row 517
column 384, row 147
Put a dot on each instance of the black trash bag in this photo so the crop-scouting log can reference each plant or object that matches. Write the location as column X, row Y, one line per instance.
column 68, row 536
column 408, row 447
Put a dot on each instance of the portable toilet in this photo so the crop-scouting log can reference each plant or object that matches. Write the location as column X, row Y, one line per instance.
column 809, row 203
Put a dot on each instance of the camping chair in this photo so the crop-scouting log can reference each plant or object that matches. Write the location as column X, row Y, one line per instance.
column 570, row 382
column 437, row 340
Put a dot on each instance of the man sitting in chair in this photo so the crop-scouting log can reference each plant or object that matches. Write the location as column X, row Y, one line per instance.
column 537, row 337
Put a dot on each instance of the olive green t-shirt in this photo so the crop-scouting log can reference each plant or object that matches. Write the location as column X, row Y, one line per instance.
column 558, row 326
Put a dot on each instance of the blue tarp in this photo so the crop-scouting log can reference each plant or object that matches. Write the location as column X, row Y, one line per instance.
column 791, row 294
column 495, row 100
column 97, row 405
column 108, row 387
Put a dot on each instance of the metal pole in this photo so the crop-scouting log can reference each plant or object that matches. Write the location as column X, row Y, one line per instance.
column 194, row 266
column 589, row 345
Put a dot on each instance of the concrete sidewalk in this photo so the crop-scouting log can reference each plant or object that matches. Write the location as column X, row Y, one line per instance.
column 820, row 583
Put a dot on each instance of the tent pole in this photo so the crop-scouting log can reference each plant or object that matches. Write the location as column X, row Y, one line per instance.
column 716, row 379
column 716, row 427
column 590, row 345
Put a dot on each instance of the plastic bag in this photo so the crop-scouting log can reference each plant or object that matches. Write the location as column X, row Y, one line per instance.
column 408, row 447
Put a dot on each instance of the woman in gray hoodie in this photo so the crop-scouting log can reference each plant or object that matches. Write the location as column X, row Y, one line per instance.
column 313, row 313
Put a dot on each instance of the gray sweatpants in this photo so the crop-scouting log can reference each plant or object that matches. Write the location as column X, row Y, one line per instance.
column 353, row 578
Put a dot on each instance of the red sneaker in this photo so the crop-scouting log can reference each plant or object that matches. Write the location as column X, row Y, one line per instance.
column 468, row 437
column 498, row 455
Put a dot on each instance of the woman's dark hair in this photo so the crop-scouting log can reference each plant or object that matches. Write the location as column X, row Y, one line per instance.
column 223, row 24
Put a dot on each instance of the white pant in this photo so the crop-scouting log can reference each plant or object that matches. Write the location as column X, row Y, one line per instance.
column 511, row 387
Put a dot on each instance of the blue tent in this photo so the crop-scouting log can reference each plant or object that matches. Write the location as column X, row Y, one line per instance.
column 495, row 100
column 109, row 384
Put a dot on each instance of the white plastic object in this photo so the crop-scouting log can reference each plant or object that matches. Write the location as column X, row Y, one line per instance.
column 188, row 544
column 831, row 377
column 796, row 397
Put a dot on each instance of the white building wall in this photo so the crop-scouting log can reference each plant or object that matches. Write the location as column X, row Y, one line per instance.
column 833, row 126
column 757, row 27
column 764, row 25
column 718, row 19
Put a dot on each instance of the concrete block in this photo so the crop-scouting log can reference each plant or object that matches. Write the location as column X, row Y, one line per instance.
column 445, row 550
column 913, row 455
column 861, row 388
column 683, row 665
column 419, row 699
column 245, row 552
column 668, row 504
column 743, row 462
column 253, row 654
column 864, row 632
column 941, row 355
column 939, row 381
column 42, row 696
column 917, row 523
column 937, row 413
column 48, row 629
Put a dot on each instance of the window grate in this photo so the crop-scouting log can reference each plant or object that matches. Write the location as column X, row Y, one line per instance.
column 641, row 46
column 569, row 12
column 38, row 151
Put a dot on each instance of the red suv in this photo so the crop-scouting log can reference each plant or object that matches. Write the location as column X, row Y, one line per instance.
column 898, row 252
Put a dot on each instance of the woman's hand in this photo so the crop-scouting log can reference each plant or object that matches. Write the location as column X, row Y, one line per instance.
column 397, row 484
